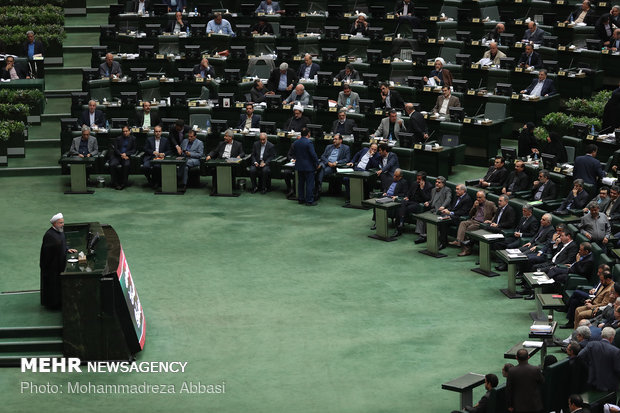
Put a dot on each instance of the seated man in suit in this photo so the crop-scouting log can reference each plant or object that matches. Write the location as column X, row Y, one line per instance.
column 389, row 99
column 178, row 25
column 263, row 152
column 445, row 101
column 177, row 134
column 258, row 91
column 612, row 209
column 347, row 99
column 110, row 67
column 614, row 42
column 268, row 7
column 577, row 198
column 580, row 298
column 583, row 265
column 299, row 96
column 595, row 226
column 248, row 119
column 348, row 74
column 602, row 200
column 541, row 86
column 503, row 219
column 517, row 180
column 390, row 127
column 122, row 148
column 527, row 227
column 203, row 69
column 496, row 175
column 490, row 383
column 530, row 58
column 281, row 80
column 308, row 69
column 365, row 159
column 93, row 117
column 13, row 72
column 587, row 167
column 262, row 27
column 147, row 119
column 156, row 146
column 460, row 206
column 418, row 194
column 441, row 197
column 297, row 122
column 493, row 55
column 404, row 12
column 192, row 149
column 533, row 34
column 84, row 146
column 584, row 14
column 396, row 187
column 439, row 76
column 342, row 125
column 544, row 188
column 220, row 25
column 481, row 211
column 388, row 163
column 227, row 149
column 494, row 35
column 565, row 253
column 141, row 7
column 603, row 361
column 335, row 154
column 417, row 124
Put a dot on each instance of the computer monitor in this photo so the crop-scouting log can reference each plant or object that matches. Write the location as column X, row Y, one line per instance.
column 331, row 32
column 238, row 53
column 320, row 103
column 138, row 73
column 116, row 9
column 593, row 44
column 370, row 79
column 152, row 30
column 243, row 31
column 198, row 30
column 373, row 56
column 268, row 127
column 146, row 51
column 316, row 130
column 107, row 31
column 192, row 52
column 129, row 99
column 377, row 11
column 419, row 58
column 292, row 10
column 457, row 114
column 375, row 33
column 218, row 126
column 67, row 125
column 463, row 36
column 79, row 99
column 405, row 140
column 421, row 35
column 288, row 32
column 160, row 9
column 232, row 75
column 509, row 153
column 97, row 53
column 247, row 9
column 89, row 73
column 450, row 140
column 507, row 39
column 324, row 78
column 329, row 54
column 274, row 101
column 549, row 161
column 550, row 41
column 581, row 130
column 285, row 53
column 551, row 66
column 178, row 99
column 367, row 106
column 185, row 74
column 459, row 85
column 118, row 123
column 416, row 82
column 360, row 134
column 335, row 10
column 226, row 100
column 503, row 89
column 507, row 63
column 463, row 60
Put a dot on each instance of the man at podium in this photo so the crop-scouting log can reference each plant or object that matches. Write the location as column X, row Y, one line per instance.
column 52, row 262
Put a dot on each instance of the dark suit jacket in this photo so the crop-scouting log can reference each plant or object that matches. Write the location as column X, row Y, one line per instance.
column 117, row 146
column 603, row 361
column 543, row 236
column 314, row 68
column 173, row 135
column 464, row 206
column 396, row 101
column 415, row 194
column 258, row 95
column 614, row 213
column 549, row 193
column 521, row 181
column 274, row 79
column 155, row 120
column 149, row 147
column 547, row 89
column 496, row 177
column 255, row 120
column 567, row 255
column 535, row 61
column 482, row 404
column 373, row 162
column 106, row 71
column 235, row 152
column 170, row 27
column 99, row 118
column 38, row 48
column 296, row 124
column 590, row 16
column 401, row 187
column 417, row 125
column 578, row 202
column 584, row 267
column 304, row 155
column 507, row 219
column 209, row 71
column 348, row 126
column 535, row 37
column 391, row 164
column 344, row 154
column 354, row 75
column 147, row 6
column 527, row 226
column 268, row 154
column 19, row 69
column 588, row 168
column 522, row 388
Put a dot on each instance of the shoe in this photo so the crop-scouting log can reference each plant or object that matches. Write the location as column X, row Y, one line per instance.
column 254, row 190
column 454, row 243
column 420, row 240
column 466, row 251
column 442, row 247
column 501, row 267
column 263, row 191
column 567, row 325
column 523, row 292
column 528, row 297
column 374, row 227
column 396, row 234
column 299, row 201
column 312, row 204
column 347, row 203
column 118, row 187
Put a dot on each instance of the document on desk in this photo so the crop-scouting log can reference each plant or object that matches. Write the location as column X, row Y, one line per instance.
column 540, row 328
column 530, row 343
column 543, row 279
column 384, row 200
column 344, row 170
column 493, row 236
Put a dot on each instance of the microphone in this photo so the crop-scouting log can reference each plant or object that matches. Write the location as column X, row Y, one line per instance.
column 478, row 111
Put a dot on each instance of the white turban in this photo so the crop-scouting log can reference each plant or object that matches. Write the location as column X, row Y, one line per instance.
column 56, row 217
column 443, row 62
column 299, row 108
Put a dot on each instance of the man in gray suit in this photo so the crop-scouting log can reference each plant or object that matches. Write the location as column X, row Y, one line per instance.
column 445, row 101
column 347, row 99
column 334, row 154
column 193, row 149
column 533, row 33
column 441, row 197
column 85, row 146
column 390, row 127
column 342, row 125
column 110, row 68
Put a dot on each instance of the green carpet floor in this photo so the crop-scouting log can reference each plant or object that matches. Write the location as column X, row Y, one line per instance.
column 294, row 308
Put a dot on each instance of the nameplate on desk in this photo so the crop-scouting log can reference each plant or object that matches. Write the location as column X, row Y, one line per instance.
column 387, row 38
column 475, row 42
column 515, row 96
column 518, row 22
column 337, row 83
column 246, row 80
column 427, row 88
column 333, row 109
column 379, row 112
column 251, row 56
column 259, row 14
column 153, row 78
column 475, row 66
column 417, row 146
column 605, row 51
column 297, row 58
column 386, row 61
column 425, row 116
column 200, row 79
column 467, row 120
column 191, row 104
column 328, row 136
column 344, row 37
column 342, row 59
column 518, row 45
column 561, row 24
column 602, row 4
column 239, row 104
column 561, row 48
column 471, row 92
column 561, row 73
column 518, row 69
column 475, row 20
column 286, row 106
column 560, row 2
column 389, row 17
column 302, row 14
column 432, row 41
column 590, row 137
column 300, row 36
column 557, row 169
column 518, row 1
column 433, row 18
column 135, row 130
column 281, row 134
column 348, row 15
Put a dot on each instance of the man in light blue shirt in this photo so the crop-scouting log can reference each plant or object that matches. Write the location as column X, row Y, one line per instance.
column 220, row 25
column 299, row 96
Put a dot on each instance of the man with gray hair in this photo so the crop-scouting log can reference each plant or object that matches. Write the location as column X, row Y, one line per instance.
column 299, row 96
column 52, row 262
column 84, row 146
column 441, row 197
column 32, row 47
column 263, row 152
column 595, row 226
column 110, row 67
column 577, row 198
column 614, row 17
column 281, row 80
column 308, row 69
column 227, row 149
column 93, row 117
column 603, row 361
